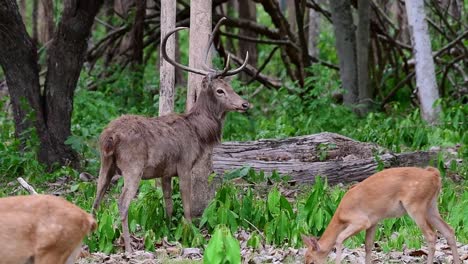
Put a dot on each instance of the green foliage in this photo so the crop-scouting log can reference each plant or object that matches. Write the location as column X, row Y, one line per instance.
column 223, row 248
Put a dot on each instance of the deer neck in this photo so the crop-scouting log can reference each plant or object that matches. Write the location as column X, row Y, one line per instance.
column 207, row 120
column 328, row 239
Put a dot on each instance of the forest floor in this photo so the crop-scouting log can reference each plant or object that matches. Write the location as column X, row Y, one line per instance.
column 175, row 254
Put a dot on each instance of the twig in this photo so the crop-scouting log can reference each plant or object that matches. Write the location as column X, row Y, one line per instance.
column 104, row 23
column 256, row 40
column 26, row 186
column 451, row 43
column 397, row 87
column 262, row 66
column 376, row 7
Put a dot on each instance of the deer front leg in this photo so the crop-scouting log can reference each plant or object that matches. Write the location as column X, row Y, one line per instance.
column 350, row 230
column 167, row 191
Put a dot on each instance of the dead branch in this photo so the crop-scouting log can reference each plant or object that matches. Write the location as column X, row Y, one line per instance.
column 252, row 71
column 265, row 63
column 26, row 186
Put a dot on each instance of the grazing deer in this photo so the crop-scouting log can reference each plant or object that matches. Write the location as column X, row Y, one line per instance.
column 140, row 147
column 41, row 229
column 386, row 194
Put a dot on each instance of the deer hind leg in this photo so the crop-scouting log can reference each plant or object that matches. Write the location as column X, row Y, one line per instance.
column 370, row 233
column 71, row 259
column 420, row 216
column 132, row 178
column 436, row 221
column 105, row 175
column 350, row 230
column 167, row 191
column 185, row 186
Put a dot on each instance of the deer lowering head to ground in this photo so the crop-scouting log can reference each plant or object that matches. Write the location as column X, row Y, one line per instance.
column 140, row 147
column 386, row 194
column 41, row 229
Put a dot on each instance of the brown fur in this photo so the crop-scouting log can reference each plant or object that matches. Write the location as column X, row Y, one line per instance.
column 164, row 147
column 389, row 193
column 41, row 228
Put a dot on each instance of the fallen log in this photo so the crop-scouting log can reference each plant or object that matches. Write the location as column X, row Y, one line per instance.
column 339, row 158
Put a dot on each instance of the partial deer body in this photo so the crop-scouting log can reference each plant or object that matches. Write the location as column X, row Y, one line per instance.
column 386, row 194
column 41, row 229
column 140, row 147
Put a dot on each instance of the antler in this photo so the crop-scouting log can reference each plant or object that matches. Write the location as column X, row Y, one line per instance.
column 208, row 71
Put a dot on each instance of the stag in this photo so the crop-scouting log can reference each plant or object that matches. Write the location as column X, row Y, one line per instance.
column 163, row 147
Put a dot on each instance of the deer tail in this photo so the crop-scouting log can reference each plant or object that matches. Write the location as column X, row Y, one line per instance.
column 108, row 143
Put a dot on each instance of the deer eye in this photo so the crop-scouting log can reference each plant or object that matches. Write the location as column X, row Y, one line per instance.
column 220, row 91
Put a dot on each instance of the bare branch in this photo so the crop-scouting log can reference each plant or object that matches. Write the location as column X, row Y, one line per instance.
column 26, row 186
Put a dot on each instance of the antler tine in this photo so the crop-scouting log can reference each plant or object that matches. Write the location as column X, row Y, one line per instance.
column 210, row 42
column 236, row 71
column 173, row 62
column 226, row 67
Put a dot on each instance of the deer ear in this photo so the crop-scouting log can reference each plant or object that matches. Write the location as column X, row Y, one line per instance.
column 311, row 242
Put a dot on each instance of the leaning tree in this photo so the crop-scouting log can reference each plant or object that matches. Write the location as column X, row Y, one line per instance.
column 46, row 110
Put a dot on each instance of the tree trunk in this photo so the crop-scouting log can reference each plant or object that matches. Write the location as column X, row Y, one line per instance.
column 137, row 44
column 46, row 18
column 314, row 31
column 65, row 58
column 35, row 11
column 362, row 49
column 167, row 71
column 346, row 47
column 291, row 10
column 248, row 11
column 422, row 52
column 336, row 157
column 200, row 29
column 19, row 63
column 22, row 6
column 299, row 7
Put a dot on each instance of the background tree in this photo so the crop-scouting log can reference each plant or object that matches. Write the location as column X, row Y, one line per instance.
column 49, row 112
column 200, row 30
column 345, row 35
column 424, row 63
column 166, row 70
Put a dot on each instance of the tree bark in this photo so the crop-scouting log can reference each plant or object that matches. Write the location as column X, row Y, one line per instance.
column 422, row 52
column 200, row 29
column 137, row 44
column 167, row 71
column 362, row 48
column 346, row 47
column 46, row 18
column 248, row 11
column 339, row 158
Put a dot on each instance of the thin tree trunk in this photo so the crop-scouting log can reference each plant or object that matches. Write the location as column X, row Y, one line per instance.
column 314, row 31
column 422, row 52
column 301, row 33
column 291, row 10
column 137, row 44
column 201, row 191
column 46, row 18
column 248, row 11
column 167, row 71
column 346, row 46
column 200, row 30
column 362, row 48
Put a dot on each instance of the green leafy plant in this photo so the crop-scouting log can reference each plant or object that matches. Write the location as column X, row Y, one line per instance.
column 223, row 248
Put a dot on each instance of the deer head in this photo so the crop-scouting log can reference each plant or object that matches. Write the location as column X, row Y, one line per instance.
column 214, row 88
